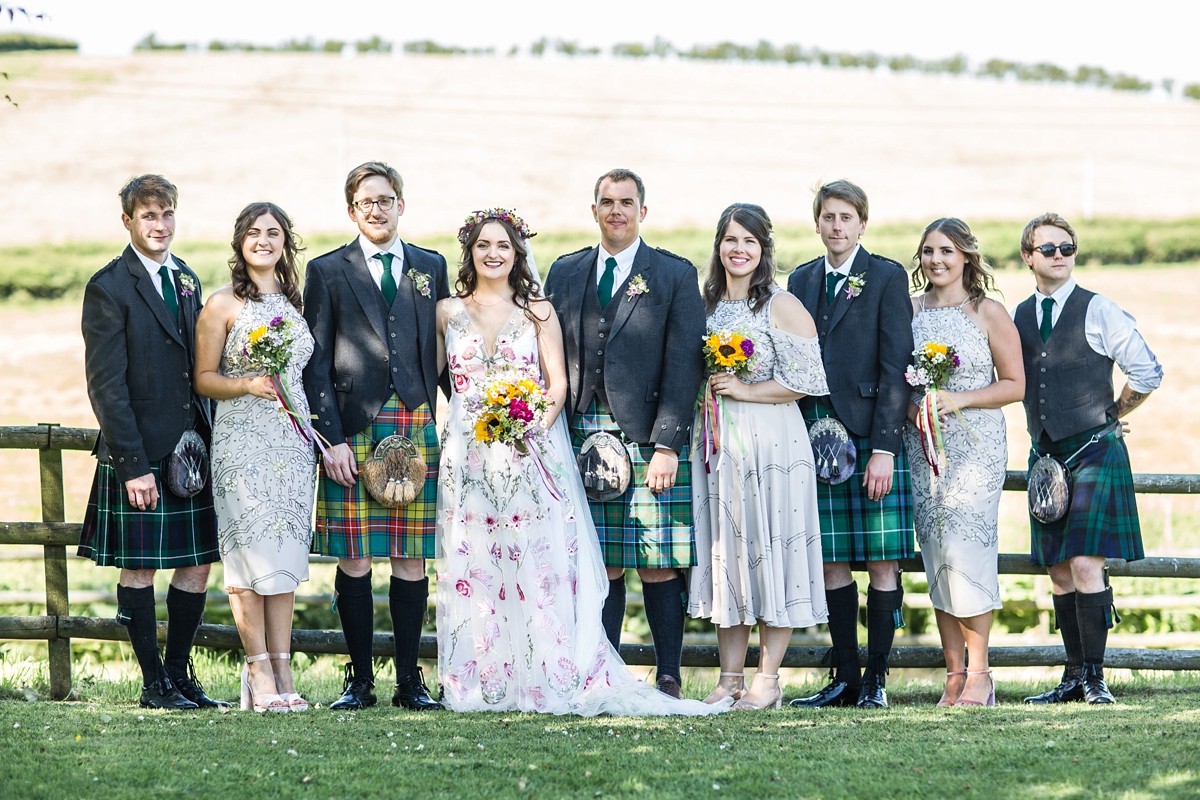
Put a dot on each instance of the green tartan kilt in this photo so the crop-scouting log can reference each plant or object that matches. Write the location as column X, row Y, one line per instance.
column 641, row 529
column 350, row 524
column 856, row 528
column 178, row 533
column 1102, row 519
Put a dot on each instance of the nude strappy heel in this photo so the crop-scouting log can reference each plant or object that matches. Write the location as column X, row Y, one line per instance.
column 736, row 694
column 948, row 674
column 777, row 703
column 991, row 699
column 294, row 700
column 262, row 702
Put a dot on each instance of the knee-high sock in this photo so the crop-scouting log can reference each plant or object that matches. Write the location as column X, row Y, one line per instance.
column 135, row 610
column 843, row 630
column 1092, row 611
column 357, row 612
column 613, row 615
column 883, row 609
column 1067, row 619
column 664, row 612
column 409, row 602
column 185, row 611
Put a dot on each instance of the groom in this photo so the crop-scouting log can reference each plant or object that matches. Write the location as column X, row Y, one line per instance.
column 373, row 373
column 633, row 322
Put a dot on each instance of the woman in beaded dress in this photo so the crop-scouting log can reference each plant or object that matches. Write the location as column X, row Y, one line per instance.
column 758, row 535
column 957, row 510
column 263, row 470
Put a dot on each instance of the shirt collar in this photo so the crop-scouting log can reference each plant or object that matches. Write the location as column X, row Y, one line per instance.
column 844, row 269
column 370, row 249
column 153, row 266
column 1060, row 295
column 624, row 258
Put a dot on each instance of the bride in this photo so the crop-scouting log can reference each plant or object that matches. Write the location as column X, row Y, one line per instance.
column 520, row 579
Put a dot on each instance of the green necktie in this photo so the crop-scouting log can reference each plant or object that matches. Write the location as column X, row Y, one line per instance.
column 831, row 283
column 168, row 291
column 387, row 284
column 604, row 290
column 1047, row 317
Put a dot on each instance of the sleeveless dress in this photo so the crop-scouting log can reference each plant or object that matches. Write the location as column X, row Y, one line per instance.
column 957, row 511
column 520, row 578
column 264, row 474
column 758, row 530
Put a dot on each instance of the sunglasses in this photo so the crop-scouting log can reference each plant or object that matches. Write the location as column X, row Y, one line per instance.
column 1047, row 250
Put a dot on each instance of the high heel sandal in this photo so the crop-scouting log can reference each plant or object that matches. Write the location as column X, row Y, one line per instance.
column 262, row 702
column 293, row 699
column 943, row 702
column 736, row 694
column 991, row 699
column 777, row 703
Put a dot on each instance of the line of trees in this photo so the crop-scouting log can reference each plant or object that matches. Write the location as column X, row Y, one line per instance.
column 16, row 42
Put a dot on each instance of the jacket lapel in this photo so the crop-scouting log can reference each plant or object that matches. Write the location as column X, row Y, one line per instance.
column 424, row 305
column 812, row 288
column 577, row 285
column 364, row 287
column 145, row 287
column 842, row 304
column 641, row 264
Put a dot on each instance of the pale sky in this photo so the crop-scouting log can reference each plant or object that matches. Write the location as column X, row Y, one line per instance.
column 1152, row 40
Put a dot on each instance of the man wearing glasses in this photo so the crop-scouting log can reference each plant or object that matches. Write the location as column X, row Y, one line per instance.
column 1070, row 338
column 373, row 373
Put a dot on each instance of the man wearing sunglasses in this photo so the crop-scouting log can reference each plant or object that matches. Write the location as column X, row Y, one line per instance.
column 1070, row 338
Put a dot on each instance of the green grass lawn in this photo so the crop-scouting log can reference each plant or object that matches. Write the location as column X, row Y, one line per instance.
column 104, row 746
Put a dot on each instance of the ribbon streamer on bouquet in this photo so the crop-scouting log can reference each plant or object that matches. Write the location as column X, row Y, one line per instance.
column 302, row 424
column 931, row 429
column 711, row 428
column 548, row 474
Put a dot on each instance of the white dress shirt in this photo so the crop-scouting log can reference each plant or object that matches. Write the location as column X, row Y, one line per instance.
column 375, row 265
column 153, row 267
column 1112, row 333
column 843, row 270
column 624, row 264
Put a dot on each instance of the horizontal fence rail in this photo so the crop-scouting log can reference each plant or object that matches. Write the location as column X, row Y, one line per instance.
column 57, row 627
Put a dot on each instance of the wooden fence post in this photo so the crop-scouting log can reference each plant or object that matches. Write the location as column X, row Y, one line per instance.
column 55, row 558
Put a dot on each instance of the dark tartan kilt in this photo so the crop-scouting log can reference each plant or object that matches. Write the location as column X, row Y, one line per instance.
column 856, row 528
column 350, row 524
column 178, row 533
column 642, row 529
column 1103, row 517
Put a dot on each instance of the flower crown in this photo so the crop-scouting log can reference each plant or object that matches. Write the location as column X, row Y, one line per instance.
column 503, row 214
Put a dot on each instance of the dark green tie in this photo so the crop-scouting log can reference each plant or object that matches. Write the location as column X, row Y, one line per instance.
column 1047, row 317
column 168, row 291
column 604, row 290
column 831, row 282
column 387, row 284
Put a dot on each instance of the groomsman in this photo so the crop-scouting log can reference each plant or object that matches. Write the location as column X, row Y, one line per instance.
column 139, row 323
column 1070, row 338
column 633, row 321
column 864, row 322
column 373, row 373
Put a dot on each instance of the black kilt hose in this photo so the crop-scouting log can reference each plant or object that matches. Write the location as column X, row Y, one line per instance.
column 1102, row 519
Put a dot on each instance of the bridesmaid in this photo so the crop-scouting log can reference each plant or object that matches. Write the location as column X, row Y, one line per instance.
column 957, row 510
column 263, row 470
column 758, row 535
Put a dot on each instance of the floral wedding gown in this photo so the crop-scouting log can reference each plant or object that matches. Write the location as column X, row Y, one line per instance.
column 520, row 579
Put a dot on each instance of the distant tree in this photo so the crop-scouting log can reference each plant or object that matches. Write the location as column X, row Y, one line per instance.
column 14, row 42
column 373, row 45
column 1168, row 84
column 150, row 43
column 1192, row 91
column 630, row 50
column 332, row 46
column 538, row 48
column 1130, row 83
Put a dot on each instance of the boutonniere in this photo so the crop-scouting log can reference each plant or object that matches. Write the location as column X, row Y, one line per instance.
column 855, row 284
column 421, row 281
column 637, row 286
column 187, row 284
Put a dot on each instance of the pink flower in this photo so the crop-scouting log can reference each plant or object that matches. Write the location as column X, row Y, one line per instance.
column 469, row 353
column 567, row 666
column 747, row 348
column 491, row 520
column 514, row 554
column 535, row 693
column 519, row 409
column 473, row 460
column 483, row 577
column 464, row 549
column 520, row 594
column 486, row 606
column 547, row 599
column 463, row 588
column 462, row 384
column 502, row 591
column 508, row 353
column 467, row 670
column 496, row 553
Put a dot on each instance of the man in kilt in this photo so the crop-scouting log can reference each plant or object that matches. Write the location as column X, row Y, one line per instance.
column 139, row 322
column 633, row 322
column 373, row 374
column 860, row 304
column 1070, row 338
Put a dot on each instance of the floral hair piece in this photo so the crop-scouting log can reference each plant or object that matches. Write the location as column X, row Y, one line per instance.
column 503, row 214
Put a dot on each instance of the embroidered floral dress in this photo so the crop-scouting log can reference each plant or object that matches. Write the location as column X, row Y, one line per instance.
column 263, row 472
column 758, row 534
column 520, row 579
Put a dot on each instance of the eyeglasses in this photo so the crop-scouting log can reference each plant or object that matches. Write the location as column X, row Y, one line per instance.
column 1047, row 250
column 384, row 203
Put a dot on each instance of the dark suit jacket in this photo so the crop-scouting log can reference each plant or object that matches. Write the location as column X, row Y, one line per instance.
column 653, row 362
column 350, row 353
column 866, row 348
column 139, row 363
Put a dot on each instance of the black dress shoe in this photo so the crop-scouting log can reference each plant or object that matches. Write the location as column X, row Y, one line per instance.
column 356, row 693
column 412, row 693
column 669, row 685
column 163, row 694
column 1069, row 689
column 1095, row 690
column 872, row 694
column 837, row 693
column 190, row 687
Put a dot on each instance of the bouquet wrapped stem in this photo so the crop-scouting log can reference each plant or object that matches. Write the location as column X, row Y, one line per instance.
column 730, row 352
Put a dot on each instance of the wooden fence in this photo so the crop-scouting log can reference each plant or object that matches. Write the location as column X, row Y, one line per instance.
column 57, row 627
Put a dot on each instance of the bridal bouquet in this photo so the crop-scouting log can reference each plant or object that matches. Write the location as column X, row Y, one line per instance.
column 731, row 352
column 933, row 363
column 268, row 348
column 511, row 409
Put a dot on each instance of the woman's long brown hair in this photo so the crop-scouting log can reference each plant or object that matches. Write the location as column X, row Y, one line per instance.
column 286, row 271
column 524, row 285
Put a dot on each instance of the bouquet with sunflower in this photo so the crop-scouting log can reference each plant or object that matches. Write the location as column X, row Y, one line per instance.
column 511, row 409
column 932, row 365
column 731, row 352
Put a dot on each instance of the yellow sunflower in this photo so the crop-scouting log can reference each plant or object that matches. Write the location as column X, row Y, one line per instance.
column 727, row 349
column 527, row 387
column 257, row 334
column 499, row 393
column 484, row 428
column 933, row 348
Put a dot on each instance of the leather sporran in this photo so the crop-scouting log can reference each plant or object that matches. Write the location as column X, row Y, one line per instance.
column 395, row 473
column 834, row 452
column 604, row 466
column 187, row 466
column 1049, row 489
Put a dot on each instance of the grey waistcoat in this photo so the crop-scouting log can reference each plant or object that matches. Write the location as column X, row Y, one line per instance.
column 595, row 327
column 407, row 378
